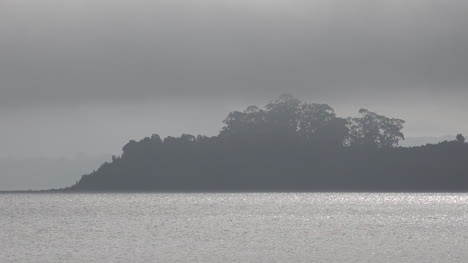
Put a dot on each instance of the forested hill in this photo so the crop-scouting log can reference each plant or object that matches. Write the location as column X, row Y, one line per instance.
column 287, row 146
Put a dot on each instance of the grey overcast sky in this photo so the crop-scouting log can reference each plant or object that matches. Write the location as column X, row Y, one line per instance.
column 88, row 75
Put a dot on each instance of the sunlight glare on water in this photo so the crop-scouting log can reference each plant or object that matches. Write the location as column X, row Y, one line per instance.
column 234, row 227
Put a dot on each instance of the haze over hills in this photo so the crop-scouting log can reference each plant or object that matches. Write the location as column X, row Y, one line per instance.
column 53, row 173
column 39, row 173
column 289, row 145
column 423, row 140
column 46, row 173
column 151, row 131
column 78, row 70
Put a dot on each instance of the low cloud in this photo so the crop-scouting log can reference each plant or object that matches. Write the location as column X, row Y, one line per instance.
column 83, row 52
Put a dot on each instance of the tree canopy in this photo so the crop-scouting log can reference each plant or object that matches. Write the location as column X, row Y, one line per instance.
column 289, row 119
column 373, row 130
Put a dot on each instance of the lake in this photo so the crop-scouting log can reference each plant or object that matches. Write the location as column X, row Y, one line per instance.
column 234, row 227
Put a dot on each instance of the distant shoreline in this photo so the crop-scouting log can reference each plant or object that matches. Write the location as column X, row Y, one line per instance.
column 220, row 192
column 287, row 146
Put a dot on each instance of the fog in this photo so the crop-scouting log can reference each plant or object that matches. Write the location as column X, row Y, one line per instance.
column 87, row 76
column 83, row 52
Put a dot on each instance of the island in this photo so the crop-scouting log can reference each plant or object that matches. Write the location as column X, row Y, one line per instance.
column 288, row 145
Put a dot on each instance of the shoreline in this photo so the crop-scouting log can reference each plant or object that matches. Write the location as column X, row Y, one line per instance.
column 230, row 191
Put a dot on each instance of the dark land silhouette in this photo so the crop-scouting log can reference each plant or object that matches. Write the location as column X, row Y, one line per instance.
column 287, row 146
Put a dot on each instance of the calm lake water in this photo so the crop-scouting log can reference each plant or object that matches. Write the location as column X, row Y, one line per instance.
column 264, row 227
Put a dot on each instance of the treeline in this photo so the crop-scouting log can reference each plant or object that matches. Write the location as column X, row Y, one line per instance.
column 288, row 120
column 289, row 145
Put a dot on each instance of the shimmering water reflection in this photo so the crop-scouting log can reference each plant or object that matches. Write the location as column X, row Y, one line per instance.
column 238, row 227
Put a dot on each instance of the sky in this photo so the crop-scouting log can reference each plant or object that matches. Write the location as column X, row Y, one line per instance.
column 86, row 76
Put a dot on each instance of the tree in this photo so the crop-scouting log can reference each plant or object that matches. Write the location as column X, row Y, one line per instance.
column 372, row 130
column 460, row 138
column 332, row 134
column 247, row 123
column 278, row 120
column 312, row 117
column 286, row 119
column 282, row 115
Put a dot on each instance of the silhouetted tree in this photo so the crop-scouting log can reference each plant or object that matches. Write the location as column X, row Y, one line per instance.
column 250, row 122
column 313, row 117
column 372, row 130
column 282, row 116
column 333, row 133
column 286, row 119
column 460, row 138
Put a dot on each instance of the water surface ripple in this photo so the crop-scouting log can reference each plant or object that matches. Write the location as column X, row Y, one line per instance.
column 234, row 227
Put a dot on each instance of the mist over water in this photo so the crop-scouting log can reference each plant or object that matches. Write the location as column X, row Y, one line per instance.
column 167, row 79
column 247, row 227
